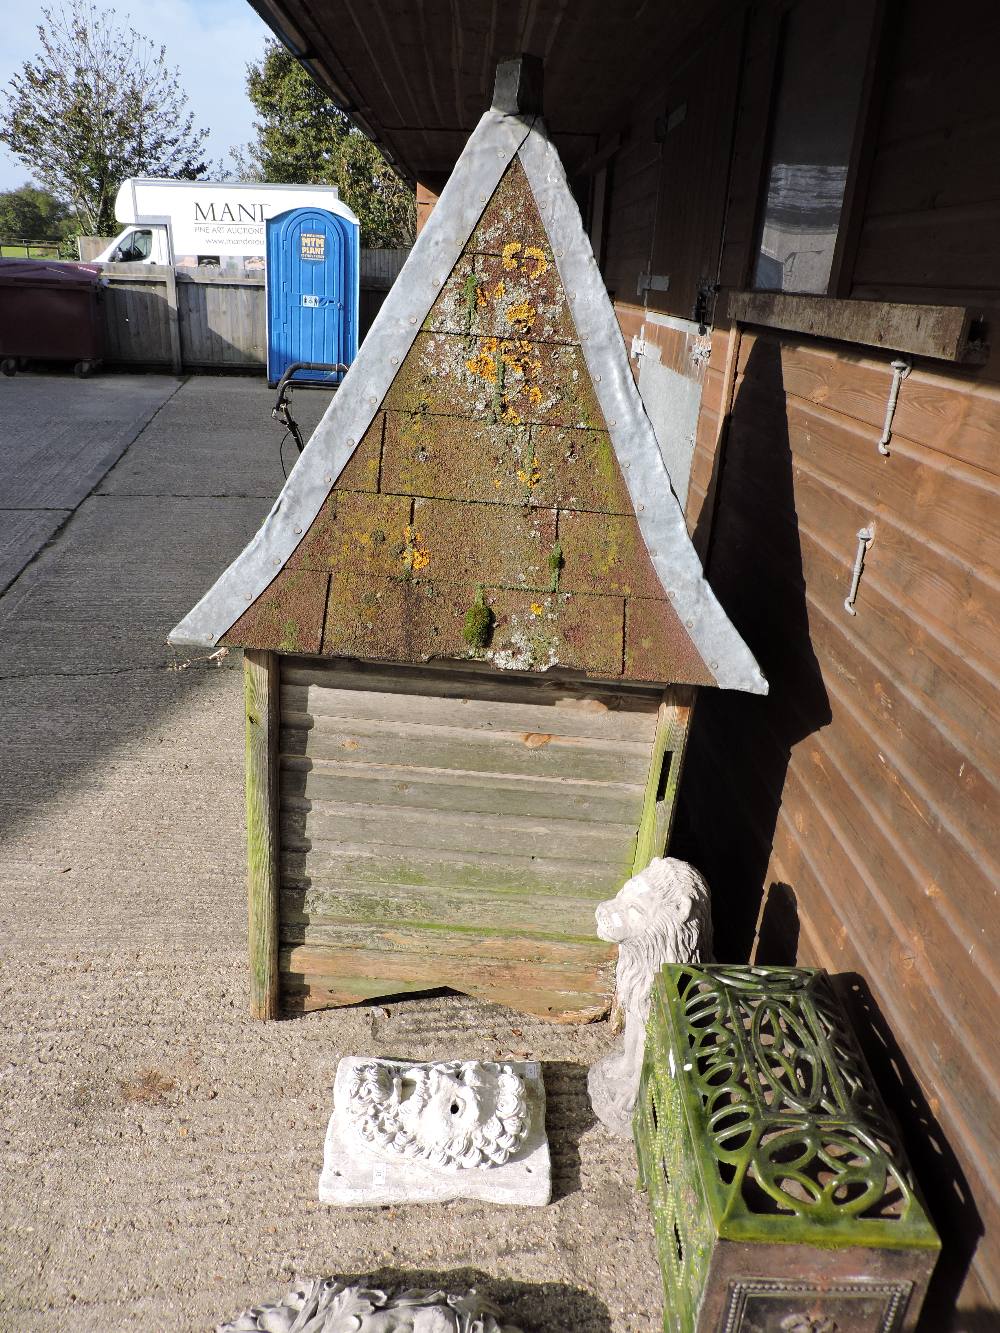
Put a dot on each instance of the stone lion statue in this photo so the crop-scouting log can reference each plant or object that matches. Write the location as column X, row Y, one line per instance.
column 324, row 1305
column 662, row 915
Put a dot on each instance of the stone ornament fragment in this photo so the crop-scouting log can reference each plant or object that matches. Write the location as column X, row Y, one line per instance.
column 324, row 1305
column 404, row 1133
column 662, row 915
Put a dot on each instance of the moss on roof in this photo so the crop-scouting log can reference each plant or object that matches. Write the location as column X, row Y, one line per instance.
column 487, row 467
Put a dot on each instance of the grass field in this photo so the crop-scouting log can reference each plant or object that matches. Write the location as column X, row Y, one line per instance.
column 29, row 250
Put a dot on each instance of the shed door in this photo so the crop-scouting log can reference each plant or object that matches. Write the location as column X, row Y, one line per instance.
column 444, row 829
column 311, row 306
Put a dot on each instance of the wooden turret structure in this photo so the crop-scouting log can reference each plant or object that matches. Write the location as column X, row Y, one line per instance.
column 473, row 623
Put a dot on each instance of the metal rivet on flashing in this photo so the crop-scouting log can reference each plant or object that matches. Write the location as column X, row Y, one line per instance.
column 328, row 480
column 689, row 623
column 350, row 444
column 482, row 199
column 560, row 254
column 276, row 561
column 413, row 319
column 373, row 401
column 671, row 594
column 249, row 596
column 714, row 666
column 395, row 360
column 612, row 423
column 597, row 379
column 625, row 463
column 297, row 531
column 640, row 507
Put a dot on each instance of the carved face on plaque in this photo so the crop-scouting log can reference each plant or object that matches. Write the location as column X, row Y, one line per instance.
column 455, row 1115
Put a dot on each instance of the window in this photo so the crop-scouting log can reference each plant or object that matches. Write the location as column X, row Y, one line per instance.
column 136, row 247
column 819, row 94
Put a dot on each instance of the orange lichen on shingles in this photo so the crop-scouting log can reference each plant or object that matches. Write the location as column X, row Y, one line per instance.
column 354, row 530
column 415, row 556
column 493, row 403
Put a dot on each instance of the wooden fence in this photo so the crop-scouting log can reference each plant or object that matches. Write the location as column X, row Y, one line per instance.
column 206, row 320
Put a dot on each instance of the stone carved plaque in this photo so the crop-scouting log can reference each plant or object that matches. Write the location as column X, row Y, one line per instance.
column 403, row 1132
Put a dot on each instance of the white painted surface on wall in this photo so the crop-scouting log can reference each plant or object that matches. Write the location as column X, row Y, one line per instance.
column 673, row 400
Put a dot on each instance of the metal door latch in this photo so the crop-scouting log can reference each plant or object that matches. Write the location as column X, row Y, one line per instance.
column 865, row 538
column 900, row 370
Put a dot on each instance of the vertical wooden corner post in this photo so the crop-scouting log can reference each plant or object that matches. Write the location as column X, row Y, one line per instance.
column 260, row 695
column 673, row 722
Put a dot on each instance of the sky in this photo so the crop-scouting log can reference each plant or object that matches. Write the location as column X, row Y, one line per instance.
column 210, row 41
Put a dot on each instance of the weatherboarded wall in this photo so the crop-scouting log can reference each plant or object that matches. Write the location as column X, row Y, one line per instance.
column 850, row 819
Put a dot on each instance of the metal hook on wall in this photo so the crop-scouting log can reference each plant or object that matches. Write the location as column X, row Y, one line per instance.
column 900, row 369
column 865, row 538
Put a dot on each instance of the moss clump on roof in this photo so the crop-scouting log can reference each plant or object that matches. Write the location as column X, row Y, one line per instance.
column 477, row 629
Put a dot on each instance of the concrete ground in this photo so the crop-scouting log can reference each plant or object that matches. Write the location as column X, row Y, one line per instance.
column 160, row 1150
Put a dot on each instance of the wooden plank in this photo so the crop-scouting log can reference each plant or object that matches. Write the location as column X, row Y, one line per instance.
column 496, row 872
column 583, row 717
column 660, row 799
column 320, row 977
column 955, row 165
column 947, row 690
column 492, row 794
column 445, row 946
column 941, row 502
column 173, row 327
column 461, row 749
column 947, row 414
column 945, row 248
column 310, row 993
column 260, row 681
column 461, row 680
column 878, row 52
column 939, row 331
column 612, row 845
column 347, row 902
column 907, row 975
column 945, row 594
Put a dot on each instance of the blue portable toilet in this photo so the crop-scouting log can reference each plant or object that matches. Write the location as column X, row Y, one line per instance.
column 312, row 283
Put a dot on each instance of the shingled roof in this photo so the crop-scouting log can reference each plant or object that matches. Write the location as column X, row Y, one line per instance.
column 487, row 446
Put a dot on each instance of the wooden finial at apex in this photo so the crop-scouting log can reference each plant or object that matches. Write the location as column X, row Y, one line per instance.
column 518, row 86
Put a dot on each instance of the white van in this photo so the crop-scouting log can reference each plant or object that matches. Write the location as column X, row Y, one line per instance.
column 200, row 224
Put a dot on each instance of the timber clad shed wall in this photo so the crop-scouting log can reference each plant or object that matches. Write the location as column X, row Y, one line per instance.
column 863, row 797
column 415, row 803
column 856, row 810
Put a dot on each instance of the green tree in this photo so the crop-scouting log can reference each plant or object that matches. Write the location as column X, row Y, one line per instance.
column 98, row 104
column 28, row 213
column 304, row 138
